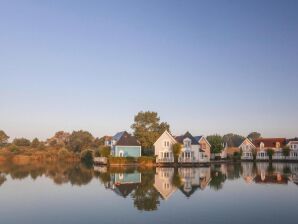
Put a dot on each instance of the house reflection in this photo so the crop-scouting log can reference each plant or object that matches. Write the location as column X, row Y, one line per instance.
column 124, row 183
column 193, row 179
column 163, row 181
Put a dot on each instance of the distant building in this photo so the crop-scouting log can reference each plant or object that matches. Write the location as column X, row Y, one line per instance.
column 107, row 140
column 260, row 147
column 124, row 144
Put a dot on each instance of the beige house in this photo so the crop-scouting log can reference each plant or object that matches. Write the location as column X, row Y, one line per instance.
column 247, row 148
column 163, row 181
column 163, row 148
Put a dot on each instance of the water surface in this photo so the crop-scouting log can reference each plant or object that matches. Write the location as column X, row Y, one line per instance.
column 72, row 193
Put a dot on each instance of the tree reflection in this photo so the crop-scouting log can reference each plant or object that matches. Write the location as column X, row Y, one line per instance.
column 145, row 196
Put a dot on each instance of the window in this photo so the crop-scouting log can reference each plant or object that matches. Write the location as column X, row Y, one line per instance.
column 203, row 145
column 166, row 144
column 262, row 145
column 187, row 143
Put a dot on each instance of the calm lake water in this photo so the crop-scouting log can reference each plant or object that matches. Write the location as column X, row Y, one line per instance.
column 226, row 193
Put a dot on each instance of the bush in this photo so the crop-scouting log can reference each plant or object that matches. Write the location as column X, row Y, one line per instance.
column 14, row 149
column 63, row 154
column 35, row 143
column 236, row 156
column 122, row 160
column 146, row 160
column 87, row 156
column 105, row 151
column 97, row 153
column 21, row 142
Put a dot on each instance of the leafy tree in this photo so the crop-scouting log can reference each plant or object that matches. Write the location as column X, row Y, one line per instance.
column 21, row 142
column 105, row 151
column 35, row 143
column 254, row 153
column 99, row 141
column 79, row 140
column 87, row 157
column 176, row 151
column 270, row 153
column 216, row 142
column 233, row 140
column 147, row 128
column 286, row 151
column 254, row 135
column 3, row 138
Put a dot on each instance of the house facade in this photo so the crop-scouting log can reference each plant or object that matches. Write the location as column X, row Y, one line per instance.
column 190, row 151
column 293, row 146
column 205, row 148
column 193, row 150
column 163, row 148
column 124, row 144
column 247, row 148
column 263, row 144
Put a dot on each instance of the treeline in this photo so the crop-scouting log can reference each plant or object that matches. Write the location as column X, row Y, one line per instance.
column 147, row 127
column 218, row 142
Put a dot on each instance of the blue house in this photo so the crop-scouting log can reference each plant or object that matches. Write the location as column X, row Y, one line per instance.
column 125, row 145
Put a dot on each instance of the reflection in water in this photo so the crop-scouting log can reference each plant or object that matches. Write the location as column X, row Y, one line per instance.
column 148, row 187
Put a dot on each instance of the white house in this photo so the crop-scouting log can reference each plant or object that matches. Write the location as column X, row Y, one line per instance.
column 190, row 152
column 293, row 145
column 163, row 148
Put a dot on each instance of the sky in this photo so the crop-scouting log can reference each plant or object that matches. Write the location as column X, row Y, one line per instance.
column 205, row 66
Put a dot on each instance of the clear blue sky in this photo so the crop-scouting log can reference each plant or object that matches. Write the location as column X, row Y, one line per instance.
column 204, row 66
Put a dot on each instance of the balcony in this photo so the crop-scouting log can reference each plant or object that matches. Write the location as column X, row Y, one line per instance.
column 187, row 160
column 165, row 160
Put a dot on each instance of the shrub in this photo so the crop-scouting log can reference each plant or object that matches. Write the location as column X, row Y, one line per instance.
column 87, row 156
column 176, row 151
column 41, row 146
column 21, row 142
column 146, row 160
column 14, row 148
column 97, row 153
column 105, row 151
column 286, row 151
column 35, row 143
column 63, row 153
column 121, row 160
column 236, row 156
column 270, row 153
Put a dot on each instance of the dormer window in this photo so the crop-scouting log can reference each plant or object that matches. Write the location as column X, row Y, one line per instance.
column 187, row 143
column 277, row 145
column 262, row 145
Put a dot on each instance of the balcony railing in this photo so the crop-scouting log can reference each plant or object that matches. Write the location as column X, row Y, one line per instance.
column 165, row 160
column 187, row 160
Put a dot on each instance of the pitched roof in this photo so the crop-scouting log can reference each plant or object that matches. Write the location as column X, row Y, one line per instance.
column 125, row 139
column 292, row 140
column 186, row 135
column 270, row 142
column 198, row 138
